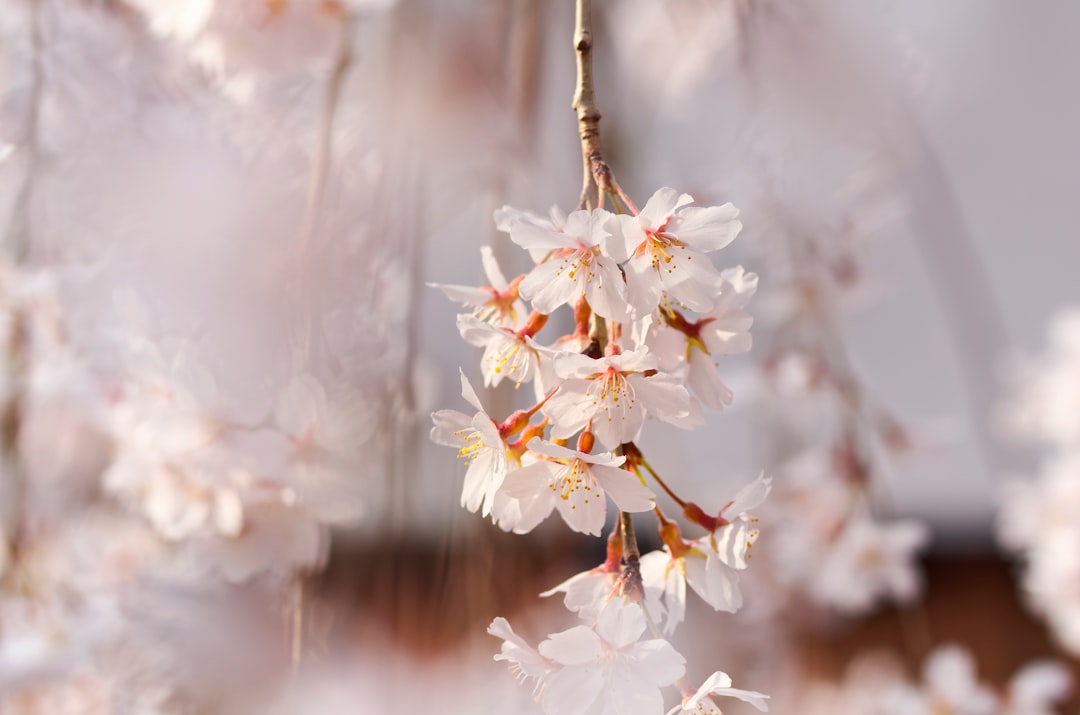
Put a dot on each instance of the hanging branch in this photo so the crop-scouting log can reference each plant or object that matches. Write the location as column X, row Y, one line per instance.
column 596, row 182
column 595, row 173
column 320, row 169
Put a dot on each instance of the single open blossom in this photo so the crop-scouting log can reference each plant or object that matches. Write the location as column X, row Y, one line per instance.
column 666, row 245
column 725, row 330
column 607, row 669
column 701, row 702
column 496, row 303
column 479, row 443
column 734, row 540
column 507, row 354
column 614, row 395
column 575, row 266
column 575, row 483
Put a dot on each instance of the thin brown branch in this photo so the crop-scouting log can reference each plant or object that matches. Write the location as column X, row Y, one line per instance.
column 630, row 583
column 588, row 115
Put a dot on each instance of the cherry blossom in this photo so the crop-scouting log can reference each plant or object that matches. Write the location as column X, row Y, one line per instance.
column 607, row 669
column 613, row 395
column 480, row 444
column 575, row 267
column 588, row 592
column 525, row 662
column 666, row 245
column 725, row 330
column 507, row 354
column 719, row 683
column 575, row 483
column 496, row 303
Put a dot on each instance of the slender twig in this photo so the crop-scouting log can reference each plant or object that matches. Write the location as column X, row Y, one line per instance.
column 630, row 545
column 663, row 485
column 584, row 105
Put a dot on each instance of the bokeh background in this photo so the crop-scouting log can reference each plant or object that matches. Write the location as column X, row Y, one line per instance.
column 220, row 219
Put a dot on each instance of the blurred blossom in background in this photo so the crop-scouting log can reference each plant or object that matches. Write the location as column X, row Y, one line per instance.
column 220, row 350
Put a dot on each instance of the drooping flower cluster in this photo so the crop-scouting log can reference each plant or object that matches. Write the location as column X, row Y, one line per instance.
column 949, row 685
column 652, row 316
column 1038, row 516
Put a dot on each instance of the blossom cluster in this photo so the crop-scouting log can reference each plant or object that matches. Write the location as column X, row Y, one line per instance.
column 173, row 456
column 1037, row 517
column 949, row 685
column 652, row 316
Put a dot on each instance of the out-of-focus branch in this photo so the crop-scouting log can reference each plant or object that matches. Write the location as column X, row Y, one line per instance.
column 320, row 168
column 17, row 239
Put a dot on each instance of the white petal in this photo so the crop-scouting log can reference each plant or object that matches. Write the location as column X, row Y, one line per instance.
column 643, row 286
column 660, row 207
column 661, row 395
column 470, row 295
column 620, row 623
column 605, row 289
column 570, row 409
column 578, row 498
column 469, row 393
column 572, row 647
column 704, row 379
column 749, row 497
column 528, row 481
column 559, row 452
column 531, row 236
column 572, row 691
column 553, row 283
column 658, row 661
column 449, row 428
column 494, row 274
column 706, row 229
column 624, row 488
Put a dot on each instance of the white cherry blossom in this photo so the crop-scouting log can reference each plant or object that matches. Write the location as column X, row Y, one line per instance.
column 496, row 303
column 725, row 330
column 607, row 669
column 719, row 683
column 575, row 483
column 666, row 245
column 614, row 395
column 525, row 662
column 508, row 218
column 480, row 445
column 507, row 354
column 575, row 266
column 588, row 592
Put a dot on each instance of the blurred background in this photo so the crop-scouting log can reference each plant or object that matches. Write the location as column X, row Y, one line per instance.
column 220, row 218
